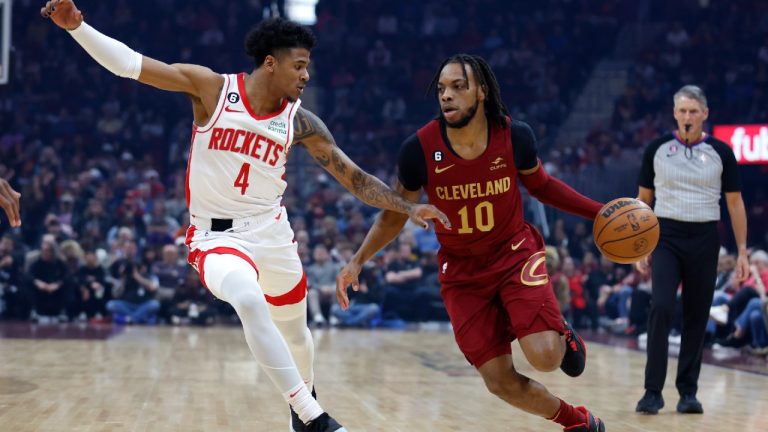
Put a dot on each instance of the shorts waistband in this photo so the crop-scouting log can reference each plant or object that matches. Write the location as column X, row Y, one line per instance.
column 218, row 225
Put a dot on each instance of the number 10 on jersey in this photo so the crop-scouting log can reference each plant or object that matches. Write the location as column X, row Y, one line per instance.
column 483, row 218
column 242, row 178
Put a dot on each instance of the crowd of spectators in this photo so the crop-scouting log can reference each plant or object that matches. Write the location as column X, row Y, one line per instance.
column 101, row 161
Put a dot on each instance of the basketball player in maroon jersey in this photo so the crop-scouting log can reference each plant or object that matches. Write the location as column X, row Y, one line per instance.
column 240, row 240
column 9, row 202
column 491, row 264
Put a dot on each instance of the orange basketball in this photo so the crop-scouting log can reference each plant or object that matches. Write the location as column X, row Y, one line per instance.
column 626, row 230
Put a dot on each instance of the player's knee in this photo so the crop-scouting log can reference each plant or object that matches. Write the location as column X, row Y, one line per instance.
column 248, row 302
column 545, row 352
column 546, row 360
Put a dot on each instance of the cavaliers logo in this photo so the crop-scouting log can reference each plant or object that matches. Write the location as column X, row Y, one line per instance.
column 534, row 271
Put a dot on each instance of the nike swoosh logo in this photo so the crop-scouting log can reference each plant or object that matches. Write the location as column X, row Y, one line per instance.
column 228, row 109
column 438, row 170
column 515, row 246
column 294, row 394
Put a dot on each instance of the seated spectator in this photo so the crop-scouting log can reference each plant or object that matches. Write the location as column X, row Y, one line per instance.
column 47, row 279
column 364, row 305
column 559, row 282
column 192, row 303
column 726, row 313
column 134, row 294
column 321, row 281
column 171, row 274
column 403, row 277
column 16, row 305
column 93, row 289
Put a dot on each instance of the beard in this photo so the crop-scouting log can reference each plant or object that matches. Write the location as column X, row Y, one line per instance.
column 460, row 123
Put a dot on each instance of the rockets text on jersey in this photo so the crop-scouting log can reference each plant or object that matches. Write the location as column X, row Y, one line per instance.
column 237, row 161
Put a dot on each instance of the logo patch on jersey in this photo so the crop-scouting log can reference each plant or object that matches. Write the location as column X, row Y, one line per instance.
column 438, row 170
column 233, row 97
column 672, row 150
column 438, row 156
column 529, row 275
column 228, row 109
column 278, row 127
column 498, row 163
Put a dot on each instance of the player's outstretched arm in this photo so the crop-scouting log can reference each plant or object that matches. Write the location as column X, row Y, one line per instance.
column 553, row 192
column 115, row 56
column 386, row 228
column 315, row 136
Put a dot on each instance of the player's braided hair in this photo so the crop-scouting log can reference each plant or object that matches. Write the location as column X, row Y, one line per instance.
column 495, row 109
column 275, row 34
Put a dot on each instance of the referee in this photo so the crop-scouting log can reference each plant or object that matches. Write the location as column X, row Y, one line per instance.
column 686, row 171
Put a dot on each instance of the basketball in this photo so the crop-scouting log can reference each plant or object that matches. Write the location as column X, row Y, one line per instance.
column 626, row 230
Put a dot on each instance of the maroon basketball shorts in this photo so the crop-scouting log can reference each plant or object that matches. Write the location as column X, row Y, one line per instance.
column 497, row 297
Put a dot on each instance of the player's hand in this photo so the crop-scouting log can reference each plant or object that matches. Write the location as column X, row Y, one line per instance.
column 9, row 201
column 348, row 275
column 421, row 212
column 643, row 266
column 742, row 267
column 64, row 13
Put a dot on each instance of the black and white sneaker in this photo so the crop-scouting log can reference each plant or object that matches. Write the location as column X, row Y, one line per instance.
column 325, row 423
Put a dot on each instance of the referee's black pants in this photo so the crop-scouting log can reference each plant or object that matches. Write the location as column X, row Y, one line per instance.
column 687, row 253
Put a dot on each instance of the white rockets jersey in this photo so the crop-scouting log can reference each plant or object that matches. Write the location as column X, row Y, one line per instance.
column 237, row 161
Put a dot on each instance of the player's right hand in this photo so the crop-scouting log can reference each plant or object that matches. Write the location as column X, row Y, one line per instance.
column 348, row 275
column 64, row 13
column 9, row 202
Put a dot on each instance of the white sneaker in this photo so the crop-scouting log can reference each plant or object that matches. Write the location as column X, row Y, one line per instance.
column 719, row 314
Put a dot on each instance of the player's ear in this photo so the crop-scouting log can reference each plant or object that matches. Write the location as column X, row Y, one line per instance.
column 482, row 94
column 270, row 62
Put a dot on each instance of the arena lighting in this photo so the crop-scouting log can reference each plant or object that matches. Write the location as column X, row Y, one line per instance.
column 5, row 39
column 301, row 11
column 749, row 142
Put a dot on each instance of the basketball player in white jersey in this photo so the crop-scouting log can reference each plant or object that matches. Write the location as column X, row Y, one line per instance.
column 239, row 238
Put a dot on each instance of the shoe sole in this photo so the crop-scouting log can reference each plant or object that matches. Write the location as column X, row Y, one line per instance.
column 649, row 412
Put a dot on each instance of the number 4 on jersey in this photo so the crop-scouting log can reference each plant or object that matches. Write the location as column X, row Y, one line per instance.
column 242, row 178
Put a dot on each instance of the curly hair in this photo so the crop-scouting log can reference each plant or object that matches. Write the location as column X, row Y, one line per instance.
column 275, row 34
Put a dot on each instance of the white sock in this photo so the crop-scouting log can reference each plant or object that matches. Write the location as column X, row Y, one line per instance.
column 303, row 403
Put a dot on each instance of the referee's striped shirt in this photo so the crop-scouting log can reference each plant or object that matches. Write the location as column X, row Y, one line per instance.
column 688, row 179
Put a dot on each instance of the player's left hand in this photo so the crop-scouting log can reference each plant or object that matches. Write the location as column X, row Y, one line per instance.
column 9, row 202
column 421, row 212
column 347, row 276
column 742, row 267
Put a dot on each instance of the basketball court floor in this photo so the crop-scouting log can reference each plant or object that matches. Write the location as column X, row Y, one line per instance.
column 69, row 378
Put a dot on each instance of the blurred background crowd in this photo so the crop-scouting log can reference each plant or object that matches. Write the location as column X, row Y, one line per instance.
column 101, row 161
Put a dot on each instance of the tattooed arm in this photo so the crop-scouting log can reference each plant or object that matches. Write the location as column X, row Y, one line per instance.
column 310, row 131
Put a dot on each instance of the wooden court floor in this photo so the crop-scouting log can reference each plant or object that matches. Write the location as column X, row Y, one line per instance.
column 189, row 379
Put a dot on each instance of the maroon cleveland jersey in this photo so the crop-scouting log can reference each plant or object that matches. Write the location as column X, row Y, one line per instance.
column 480, row 197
